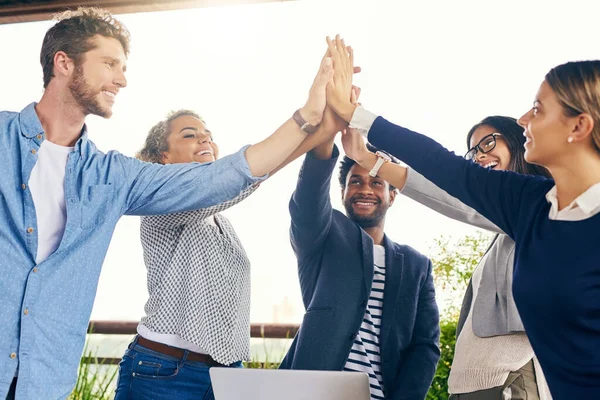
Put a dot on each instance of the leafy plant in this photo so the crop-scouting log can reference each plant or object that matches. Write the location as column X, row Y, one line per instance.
column 95, row 380
column 439, row 386
column 270, row 361
column 453, row 264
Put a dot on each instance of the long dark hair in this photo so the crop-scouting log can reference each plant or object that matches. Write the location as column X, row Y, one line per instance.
column 512, row 133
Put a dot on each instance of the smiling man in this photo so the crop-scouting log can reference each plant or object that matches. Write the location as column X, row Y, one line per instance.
column 370, row 302
column 60, row 197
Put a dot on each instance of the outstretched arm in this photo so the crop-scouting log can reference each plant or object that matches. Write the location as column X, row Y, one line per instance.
column 497, row 195
column 265, row 156
column 310, row 205
column 331, row 125
column 157, row 189
column 414, row 185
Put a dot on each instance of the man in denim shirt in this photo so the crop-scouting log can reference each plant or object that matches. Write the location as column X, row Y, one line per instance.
column 60, row 198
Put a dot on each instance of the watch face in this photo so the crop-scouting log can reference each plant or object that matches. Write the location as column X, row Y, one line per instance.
column 308, row 128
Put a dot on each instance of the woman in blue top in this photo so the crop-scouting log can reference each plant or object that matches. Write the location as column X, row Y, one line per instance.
column 492, row 352
column 554, row 222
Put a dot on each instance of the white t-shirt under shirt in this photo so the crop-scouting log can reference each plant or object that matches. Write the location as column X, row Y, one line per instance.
column 365, row 353
column 47, row 186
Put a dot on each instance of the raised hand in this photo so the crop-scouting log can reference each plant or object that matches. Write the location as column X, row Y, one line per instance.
column 332, row 123
column 340, row 88
column 312, row 111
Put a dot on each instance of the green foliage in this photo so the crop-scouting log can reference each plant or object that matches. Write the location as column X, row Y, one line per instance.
column 439, row 387
column 262, row 365
column 453, row 263
column 272, row 358
column 95, row 381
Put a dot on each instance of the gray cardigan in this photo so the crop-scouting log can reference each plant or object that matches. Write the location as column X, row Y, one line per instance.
column 494, row 310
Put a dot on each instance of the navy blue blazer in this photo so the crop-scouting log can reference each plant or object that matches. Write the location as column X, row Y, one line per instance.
column 335, row 265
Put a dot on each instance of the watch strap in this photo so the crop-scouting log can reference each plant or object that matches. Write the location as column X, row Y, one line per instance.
column 375, row 170
column 304, row 126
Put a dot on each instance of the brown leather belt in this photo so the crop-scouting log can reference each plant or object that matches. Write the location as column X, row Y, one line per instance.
column 176, row 352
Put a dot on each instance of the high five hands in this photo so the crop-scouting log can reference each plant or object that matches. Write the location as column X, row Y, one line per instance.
column 342, row 96
column 339, row 88
column 315, row 110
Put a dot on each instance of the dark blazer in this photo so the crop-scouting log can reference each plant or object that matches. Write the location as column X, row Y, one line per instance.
column 335, row 265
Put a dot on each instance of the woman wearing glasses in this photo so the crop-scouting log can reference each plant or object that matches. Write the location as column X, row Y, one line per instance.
column 554, row 222
column 492, row 353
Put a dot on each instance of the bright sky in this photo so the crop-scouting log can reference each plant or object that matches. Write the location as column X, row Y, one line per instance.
column 434, row 66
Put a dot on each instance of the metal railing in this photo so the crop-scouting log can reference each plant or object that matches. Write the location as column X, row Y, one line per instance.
column 265, row 331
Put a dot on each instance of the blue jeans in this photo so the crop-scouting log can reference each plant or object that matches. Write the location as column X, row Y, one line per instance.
column 145, row 374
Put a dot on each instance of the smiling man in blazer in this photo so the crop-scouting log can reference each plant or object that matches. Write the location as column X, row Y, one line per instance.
column 370, row 302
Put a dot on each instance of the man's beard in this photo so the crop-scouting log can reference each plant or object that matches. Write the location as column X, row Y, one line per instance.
column 86, row 97
column 365, row 220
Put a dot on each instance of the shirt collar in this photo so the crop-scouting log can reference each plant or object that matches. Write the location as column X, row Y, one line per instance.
column 29, row 121
column 31, row 126
column 588, row 201
column 82, row 143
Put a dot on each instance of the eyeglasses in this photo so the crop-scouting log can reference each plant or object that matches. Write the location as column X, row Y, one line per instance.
column 485, row 145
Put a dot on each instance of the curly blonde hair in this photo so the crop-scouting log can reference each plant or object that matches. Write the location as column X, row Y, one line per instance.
column 156, row 141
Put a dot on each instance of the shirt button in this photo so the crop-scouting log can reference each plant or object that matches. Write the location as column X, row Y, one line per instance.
column 23, row 186
column 35, row 270
column 30, row 230
column 26, row 311
column 363, row 303
column 351, row 336
column 39, row 136
column 13, row 355
column 33, row 151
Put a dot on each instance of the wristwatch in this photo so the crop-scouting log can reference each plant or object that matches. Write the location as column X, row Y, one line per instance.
column 381, row 159
column 304, row 126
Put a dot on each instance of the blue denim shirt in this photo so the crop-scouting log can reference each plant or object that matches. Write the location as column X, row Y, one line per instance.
column 45, row 308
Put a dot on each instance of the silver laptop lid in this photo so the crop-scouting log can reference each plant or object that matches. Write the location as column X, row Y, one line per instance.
column 265, row 384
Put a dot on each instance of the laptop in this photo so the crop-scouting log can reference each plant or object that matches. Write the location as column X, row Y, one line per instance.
column 274, row 384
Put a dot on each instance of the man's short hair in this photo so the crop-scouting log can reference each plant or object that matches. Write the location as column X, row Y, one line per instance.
column 347, row 163
column 73, row 33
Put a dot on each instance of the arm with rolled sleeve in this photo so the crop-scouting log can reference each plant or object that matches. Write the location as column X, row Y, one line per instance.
column 153, row 189
column 423, row 354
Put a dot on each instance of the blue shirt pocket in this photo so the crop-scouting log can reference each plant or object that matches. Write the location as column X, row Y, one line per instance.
column 95, row 205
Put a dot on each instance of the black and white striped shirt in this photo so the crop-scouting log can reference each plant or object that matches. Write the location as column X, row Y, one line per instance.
column 365, row 355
